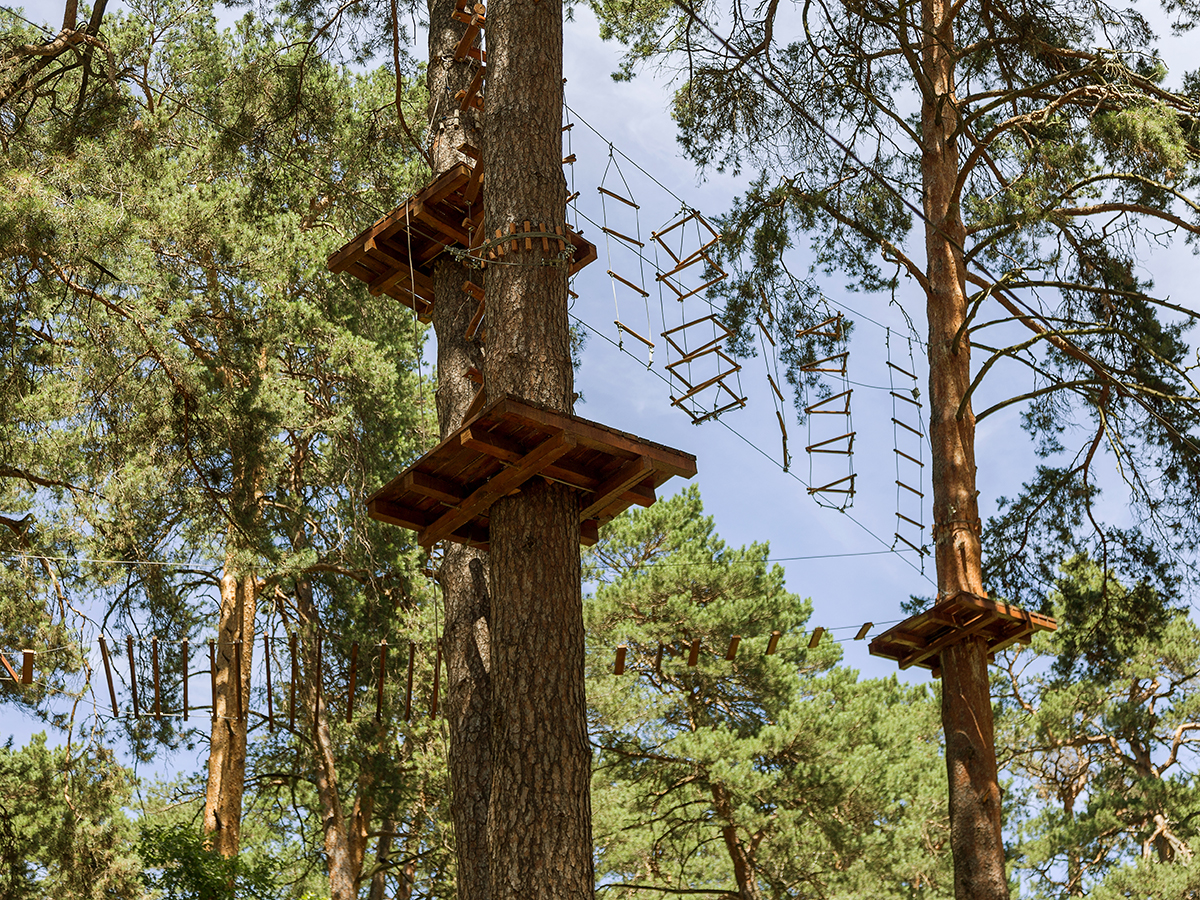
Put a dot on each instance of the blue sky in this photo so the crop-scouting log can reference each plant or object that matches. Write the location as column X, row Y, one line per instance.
column 740, row 477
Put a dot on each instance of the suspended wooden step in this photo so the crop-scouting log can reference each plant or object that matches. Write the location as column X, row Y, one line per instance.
column 395, row 255
column 919, row 640
column 447, row 493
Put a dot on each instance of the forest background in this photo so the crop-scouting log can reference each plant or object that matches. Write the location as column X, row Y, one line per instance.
column 817, row 778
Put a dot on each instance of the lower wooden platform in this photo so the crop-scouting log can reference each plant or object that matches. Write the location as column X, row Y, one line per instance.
column 446, row 494
column 920, row 639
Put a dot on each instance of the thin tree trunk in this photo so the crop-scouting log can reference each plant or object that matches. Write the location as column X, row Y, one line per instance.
column 539, row 817
column 227, row 746
column 383, row 850
column 975, row 831
column 346, row 834
column 743, row 862
column 463, row 574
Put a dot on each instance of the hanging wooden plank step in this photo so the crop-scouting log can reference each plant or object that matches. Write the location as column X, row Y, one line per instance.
column 919, row 640
column 446, row 494
column 394, row 256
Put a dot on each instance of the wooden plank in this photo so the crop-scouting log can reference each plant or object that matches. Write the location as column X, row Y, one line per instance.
column 351, row 682
column 429, row 486
column 394, row 514
column 498, row 486
column 12, row 673
column 773, row 643
column 270, row 699
column 475, row 406
column 443, row 225
column 157, row 687
column 132, row 675
column 733, row 646
column 628, row 283
column 185, row 655
column 112, row 694
column 600, row 437
column 619, row 662
column 589, row 532
column 626, row 477
column 382, row 671
column 412, row 650
column 951, row 637
column 493, row 445
column 468, row 39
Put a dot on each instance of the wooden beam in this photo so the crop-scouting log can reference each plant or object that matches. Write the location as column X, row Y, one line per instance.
column 498, row 486
column 382, row 510
column 430, row 486
column 626, row 477
column 951, row 637
column 493, row 445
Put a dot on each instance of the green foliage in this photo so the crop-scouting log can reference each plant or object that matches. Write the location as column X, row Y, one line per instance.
column 782, row 774
column 1103, row 757
column 63, row 832
column 181, row 866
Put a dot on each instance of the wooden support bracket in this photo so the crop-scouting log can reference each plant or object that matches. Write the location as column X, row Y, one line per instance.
column 498, row 486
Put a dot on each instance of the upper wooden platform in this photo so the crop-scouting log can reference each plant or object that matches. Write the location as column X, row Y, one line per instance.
column 920, row 639
column 447, row 493
column 395, row 255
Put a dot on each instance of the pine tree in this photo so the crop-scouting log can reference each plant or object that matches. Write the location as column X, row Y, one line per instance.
column 1103, row 756
column 768, row 775
column 177, row 237
column 1011, row 162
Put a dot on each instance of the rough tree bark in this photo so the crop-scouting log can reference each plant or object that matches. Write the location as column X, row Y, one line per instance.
column 539, row 817
column 463, row 574
column 975, row 832
column 227, row 746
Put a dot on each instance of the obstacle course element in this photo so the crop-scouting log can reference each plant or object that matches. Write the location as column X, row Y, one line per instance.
column 394, row 256
column 701, row 370
column 628, row 237
column 447, row 493
column 830, row 487
column 920, row 639
column 908, row 446
column 171, row 695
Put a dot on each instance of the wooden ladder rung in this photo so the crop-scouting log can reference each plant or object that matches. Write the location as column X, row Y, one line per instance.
column 628, row 283
column 623, row 237
column 609, row 193
column 621, row 326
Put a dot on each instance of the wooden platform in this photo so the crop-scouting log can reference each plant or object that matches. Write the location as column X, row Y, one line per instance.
column 395, row 255
column 919, row 639
column 446, row 494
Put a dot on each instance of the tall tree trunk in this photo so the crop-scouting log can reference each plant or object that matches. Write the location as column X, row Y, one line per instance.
column 346, row 833
column 539, row 817
column 463, row 574
column 227, row 746
column 975, row 833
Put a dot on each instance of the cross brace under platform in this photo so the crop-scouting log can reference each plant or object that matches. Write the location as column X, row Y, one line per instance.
column 446, row 494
